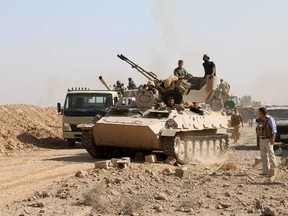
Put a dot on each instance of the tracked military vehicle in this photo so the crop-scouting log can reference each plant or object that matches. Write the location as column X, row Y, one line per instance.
column 182, row 130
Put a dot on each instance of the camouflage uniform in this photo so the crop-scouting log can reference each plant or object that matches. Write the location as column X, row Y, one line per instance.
column 236, row 121
column 180, row 72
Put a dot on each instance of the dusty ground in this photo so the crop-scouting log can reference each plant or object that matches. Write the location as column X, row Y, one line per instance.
column 39, row 176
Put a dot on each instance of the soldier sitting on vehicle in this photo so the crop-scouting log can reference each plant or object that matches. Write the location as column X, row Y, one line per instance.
column 131, row 84
column 120, row 88
column 171, row 105
column 150, row 86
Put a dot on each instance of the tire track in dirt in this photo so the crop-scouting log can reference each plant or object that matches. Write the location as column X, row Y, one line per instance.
column 22, row 175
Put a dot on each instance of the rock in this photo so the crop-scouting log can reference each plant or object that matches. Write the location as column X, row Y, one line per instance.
column 150, row 158
column 38, row 205
column 258, row 204
column 168, row 171
column 224, row 205
column 117, row 180
column 182, row 172
column 79, row 174
column 227, row 194
column 160, row 196
column 257, row 160
column 123, row 164
column 159, row 209
column 170, row 160
column 250, row 211
column 104, row 164
column 273, row 172
column 268, row 212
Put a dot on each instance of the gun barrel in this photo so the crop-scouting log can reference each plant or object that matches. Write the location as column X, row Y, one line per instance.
column 104, row 83
column 149, row 75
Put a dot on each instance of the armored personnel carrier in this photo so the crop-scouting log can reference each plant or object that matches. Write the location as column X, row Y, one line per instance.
column 182, row 130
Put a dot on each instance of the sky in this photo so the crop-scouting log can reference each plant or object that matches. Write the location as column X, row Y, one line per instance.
column 47, row 47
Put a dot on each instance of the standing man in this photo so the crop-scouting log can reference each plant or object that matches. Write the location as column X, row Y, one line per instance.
column 266, row 131
column 236, row 122
column 225, row 89
column 251, row 117
column 209, row 66
column 131, row 84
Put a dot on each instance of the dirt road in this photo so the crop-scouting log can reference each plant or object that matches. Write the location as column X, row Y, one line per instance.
column 22, row 174
column 43, row 182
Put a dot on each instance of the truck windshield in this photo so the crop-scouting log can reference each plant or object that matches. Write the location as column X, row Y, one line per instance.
column 87, row 104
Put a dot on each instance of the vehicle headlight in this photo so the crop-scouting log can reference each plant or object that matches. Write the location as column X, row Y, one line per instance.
column 66, row 127
column 170, row 123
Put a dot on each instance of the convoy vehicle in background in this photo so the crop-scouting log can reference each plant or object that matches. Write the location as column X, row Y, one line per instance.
column 81, row 106
column 280, row 115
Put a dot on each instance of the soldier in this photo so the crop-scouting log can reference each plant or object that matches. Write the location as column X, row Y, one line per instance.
column 170, row 102
column 236, row 121
column 171, row 105
column 131, row 84
column 225, row 89
column 119, row 87
column 151, row 87
column 210, row 72
column 209, row 66
column 180, row 73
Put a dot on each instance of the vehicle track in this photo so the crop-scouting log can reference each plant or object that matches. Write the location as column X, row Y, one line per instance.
column 22, row 174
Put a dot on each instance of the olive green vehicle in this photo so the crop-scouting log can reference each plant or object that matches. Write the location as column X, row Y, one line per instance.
column 144, row 123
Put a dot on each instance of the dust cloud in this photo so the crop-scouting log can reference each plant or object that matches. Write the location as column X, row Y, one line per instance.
column 271, row 88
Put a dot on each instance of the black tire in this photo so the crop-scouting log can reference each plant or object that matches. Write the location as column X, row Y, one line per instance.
column 71, row 143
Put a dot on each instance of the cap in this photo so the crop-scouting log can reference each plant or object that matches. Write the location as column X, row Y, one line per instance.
column 150, row 83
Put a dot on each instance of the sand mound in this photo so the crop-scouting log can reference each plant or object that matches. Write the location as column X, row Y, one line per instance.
column 27, row 126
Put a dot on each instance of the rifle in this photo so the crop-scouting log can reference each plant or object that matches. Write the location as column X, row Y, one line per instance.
column 149, row 75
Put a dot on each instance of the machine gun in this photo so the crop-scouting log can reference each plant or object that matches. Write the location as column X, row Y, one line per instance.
column 149, row 75
column 165, row 93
